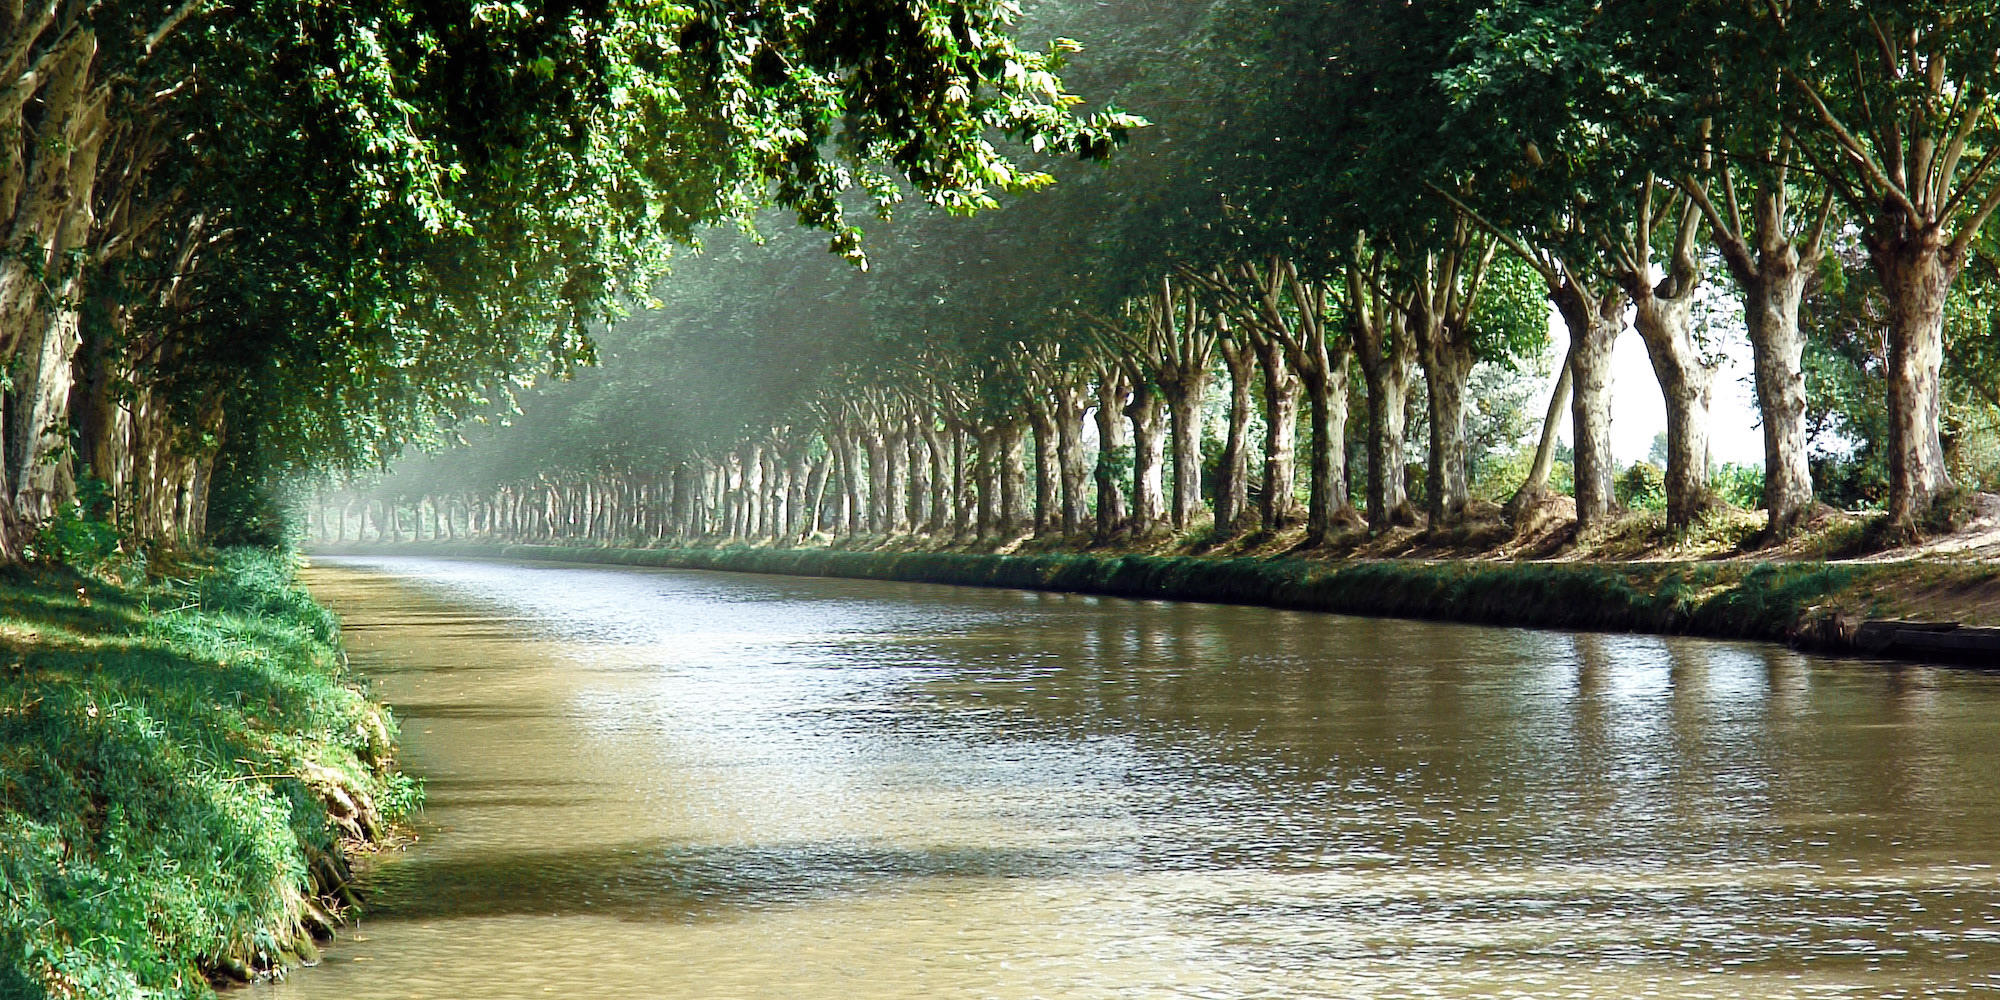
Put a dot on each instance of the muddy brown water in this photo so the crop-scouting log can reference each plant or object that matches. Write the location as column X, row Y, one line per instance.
column 687, row 784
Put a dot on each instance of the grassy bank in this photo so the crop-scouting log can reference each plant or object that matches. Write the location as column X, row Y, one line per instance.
column 1815, row 604
column 181, row 766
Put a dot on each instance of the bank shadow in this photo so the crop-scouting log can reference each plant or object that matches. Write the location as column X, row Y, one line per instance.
column 662, row 881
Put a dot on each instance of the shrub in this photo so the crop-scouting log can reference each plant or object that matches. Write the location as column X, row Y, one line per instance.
column 1642, row 486
column 1739, row 485
column 83, row 534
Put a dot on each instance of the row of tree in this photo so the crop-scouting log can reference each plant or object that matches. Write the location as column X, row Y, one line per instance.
column 247, row 240
column 1342, row 204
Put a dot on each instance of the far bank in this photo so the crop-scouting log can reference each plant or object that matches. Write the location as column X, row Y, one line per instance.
column 1832, row 607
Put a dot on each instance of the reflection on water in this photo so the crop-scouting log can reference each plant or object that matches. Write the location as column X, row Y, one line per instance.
column 677, row 784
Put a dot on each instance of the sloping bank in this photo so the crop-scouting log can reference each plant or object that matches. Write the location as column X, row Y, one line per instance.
column 181, row 766
column 1809, row 604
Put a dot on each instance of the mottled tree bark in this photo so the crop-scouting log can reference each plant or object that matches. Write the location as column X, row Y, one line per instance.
column 1183, row 395
column 1147, row 412
column 1013, row 478
column 1048, row 472
column 1232, row 487
column 1773, row 282
column 1916, row 269
column 986, row 468
column 1594, row 317
column 964, row 503
column 1663, row 313
column 1114, row 452
column 1387, row 368
column 1068, row 410
column 1279, row 507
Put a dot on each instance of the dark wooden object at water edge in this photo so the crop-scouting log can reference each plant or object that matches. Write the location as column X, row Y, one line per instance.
column 1973, row 644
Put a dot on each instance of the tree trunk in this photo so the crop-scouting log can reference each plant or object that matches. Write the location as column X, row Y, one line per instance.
column 1279, row 507
column 896, row 479
column 1114, row 454
column 1771, row 313
column 778, row 487
column 684, row 479
column 1447, row 369
column 1916, row 269
column 1327, row 504
column 816, row 486
column 964, row 505
column 749, row 478
column 1183, row 396
column 917, row 460
column 878, row 480
column 1322, row 368
column 1068, row 413
column 1665, row 320
column 1773, row 281
column 798, row 493
column 1594, row 320
column 53, row 175
column 855, row 466
column 1013, row 479
column 1536, row 486
column 103, row 426
column 937, row 519
column 986, row 469
column 1232, row 481
column 1388, row 380
column 1146, row 411
column 1048, row 472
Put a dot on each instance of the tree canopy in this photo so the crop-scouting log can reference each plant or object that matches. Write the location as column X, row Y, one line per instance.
column 328, row 229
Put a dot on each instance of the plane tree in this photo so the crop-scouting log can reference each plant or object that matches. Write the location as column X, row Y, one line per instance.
column 401, row 211
column 1897, row 109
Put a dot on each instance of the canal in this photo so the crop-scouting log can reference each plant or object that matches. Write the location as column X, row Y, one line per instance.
column 686, row 784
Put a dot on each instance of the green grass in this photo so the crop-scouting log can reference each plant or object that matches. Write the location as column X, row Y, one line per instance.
column 168, row 754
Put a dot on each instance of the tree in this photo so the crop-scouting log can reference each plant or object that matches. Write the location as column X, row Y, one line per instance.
column 405, row 210
column 1573, row 92
column 1896, row 110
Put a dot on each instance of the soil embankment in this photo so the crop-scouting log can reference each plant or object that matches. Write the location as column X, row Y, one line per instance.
column 1817, row 605
column 185, row 765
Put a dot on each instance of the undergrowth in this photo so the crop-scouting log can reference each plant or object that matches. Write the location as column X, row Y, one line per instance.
column 168, row 756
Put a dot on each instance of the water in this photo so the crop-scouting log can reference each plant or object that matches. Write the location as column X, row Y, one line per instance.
column 680, row 784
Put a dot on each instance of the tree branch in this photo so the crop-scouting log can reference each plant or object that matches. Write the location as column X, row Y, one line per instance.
column 1816, row 239
column 1972, row 180
column 1542, row 267
column 1978, row 221
column 164, row 28
column 1869, row 168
